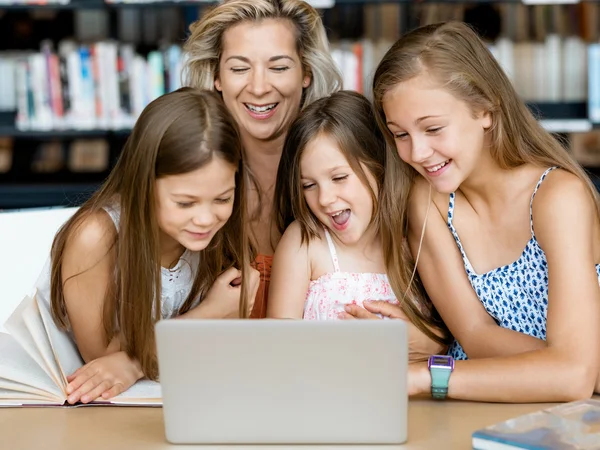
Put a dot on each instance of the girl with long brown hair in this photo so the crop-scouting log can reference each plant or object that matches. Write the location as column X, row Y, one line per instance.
column 502, row 221
column 163, row 237
column 331, row 256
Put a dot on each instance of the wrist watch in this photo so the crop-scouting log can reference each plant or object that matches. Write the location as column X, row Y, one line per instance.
column 440, row 367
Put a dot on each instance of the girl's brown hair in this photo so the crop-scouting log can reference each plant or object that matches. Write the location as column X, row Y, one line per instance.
column 346, row 117
column 456, row 58
column 175, row 134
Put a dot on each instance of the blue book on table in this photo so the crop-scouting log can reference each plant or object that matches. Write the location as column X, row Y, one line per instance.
column 570, row 426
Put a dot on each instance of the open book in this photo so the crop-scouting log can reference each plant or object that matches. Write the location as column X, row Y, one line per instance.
column 36, row 357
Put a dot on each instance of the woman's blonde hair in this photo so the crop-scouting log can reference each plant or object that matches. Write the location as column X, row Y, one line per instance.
column 204, row 46
column 454, row 56
column 177, row 133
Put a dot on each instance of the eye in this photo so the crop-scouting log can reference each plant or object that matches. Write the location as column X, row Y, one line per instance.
column 400, row 136
column 184, row 204
column 280, row 68
column 239, row 69
column 434, row 130
column 340, row 178
column 307, row 186
column 223, row 201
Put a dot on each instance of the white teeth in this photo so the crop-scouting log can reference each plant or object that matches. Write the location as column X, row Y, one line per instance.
column 436, row 168
column 338, row 213
column 261, row 109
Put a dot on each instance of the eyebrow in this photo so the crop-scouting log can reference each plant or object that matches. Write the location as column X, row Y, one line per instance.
column 420, row 119
column 181, row 194
column 271, row 59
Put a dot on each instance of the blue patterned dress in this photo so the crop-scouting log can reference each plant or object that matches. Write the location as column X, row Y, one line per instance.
column 515, row 295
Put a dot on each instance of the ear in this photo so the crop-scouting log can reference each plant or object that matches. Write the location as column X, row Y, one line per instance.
column 486, row 120
column 306, row 81
column 218, row 84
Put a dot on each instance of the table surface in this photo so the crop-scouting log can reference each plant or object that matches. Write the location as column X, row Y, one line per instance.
column 431, row 425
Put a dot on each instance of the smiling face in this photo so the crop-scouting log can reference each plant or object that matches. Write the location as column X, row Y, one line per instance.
column 434, row 132
column 333, row 192
column 261, row 77
column 193, row 206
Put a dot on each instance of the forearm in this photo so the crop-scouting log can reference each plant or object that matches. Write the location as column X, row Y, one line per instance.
column 493, row 340
column 538, row 376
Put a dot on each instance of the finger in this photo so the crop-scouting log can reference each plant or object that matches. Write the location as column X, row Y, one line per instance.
column 96, row 391
column 384, row 308
column 229, row 275
column 77, row 373
column 79, row 378
column 359, row 312
column 113, row 391
column 85, row 388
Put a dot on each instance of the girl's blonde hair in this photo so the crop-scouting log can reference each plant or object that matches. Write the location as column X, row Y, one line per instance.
column 175, row 134
column 203, row 47
column 456, row 58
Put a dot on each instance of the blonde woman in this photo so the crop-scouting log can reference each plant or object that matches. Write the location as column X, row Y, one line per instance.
column 502, row 221
column 268, row 59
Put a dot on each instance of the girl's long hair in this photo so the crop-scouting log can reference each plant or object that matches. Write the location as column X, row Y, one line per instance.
column 175, row 134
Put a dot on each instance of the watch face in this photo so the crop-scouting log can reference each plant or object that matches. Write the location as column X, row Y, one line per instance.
column 441, row 361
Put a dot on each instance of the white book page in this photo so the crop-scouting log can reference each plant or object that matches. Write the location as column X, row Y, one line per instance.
column 16, row 326
column 16, row 365
column 20, row 387
column 33, row 322
column 144, row 392
column 65, row 350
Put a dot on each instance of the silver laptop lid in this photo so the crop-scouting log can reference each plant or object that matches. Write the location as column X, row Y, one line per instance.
column 283, row 381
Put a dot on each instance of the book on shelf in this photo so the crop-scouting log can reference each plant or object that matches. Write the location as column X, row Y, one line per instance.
column 570, row 426
column 36, row 357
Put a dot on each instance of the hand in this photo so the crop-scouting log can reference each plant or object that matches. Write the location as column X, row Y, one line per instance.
column 104, row 377
column 420, row 346
column 373, row 309
column 222, row 301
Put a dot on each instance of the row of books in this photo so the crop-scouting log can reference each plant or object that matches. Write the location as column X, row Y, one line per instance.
column 104, row 85
column 107, row 84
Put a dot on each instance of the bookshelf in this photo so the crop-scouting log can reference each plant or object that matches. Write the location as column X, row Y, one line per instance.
column 47, row 163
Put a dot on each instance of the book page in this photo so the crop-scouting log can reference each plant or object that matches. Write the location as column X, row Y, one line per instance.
column 64, row 348
column 16, row 365
column 142, row 393
column 20, row 328
column 23, row 388
column 15, row 325
column 33, row 322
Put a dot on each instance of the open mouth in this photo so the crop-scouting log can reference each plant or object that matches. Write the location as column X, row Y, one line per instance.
column 260, row 109
column 438, row 167
column 340, row 219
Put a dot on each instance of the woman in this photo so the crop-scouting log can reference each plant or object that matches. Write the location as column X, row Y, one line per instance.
column 268, row 59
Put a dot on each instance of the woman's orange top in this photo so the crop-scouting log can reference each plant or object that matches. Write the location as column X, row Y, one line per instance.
column 262, row 263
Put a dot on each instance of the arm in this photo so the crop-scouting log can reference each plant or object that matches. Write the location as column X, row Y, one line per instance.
column 567, row 368
column 443, row 275
column 87, row 269
column 290, row 276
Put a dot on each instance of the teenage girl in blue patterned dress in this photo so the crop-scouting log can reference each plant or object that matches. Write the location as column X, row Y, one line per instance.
column 503, row 222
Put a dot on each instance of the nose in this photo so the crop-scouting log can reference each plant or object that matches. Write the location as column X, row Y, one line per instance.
column 259, row 83
column 420, row 150
column 203, row 217
column 326, row 196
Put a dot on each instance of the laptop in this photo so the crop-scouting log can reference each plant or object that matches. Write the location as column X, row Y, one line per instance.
column 283, row 381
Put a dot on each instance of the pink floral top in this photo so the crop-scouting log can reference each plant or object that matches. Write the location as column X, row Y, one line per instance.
column 328, row 294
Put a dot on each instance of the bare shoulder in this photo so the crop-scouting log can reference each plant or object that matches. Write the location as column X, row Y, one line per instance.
column 90, row 240
column 563, row 205
column 562, row 192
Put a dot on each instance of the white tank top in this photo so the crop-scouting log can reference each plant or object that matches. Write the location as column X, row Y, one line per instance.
column 176, row 283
